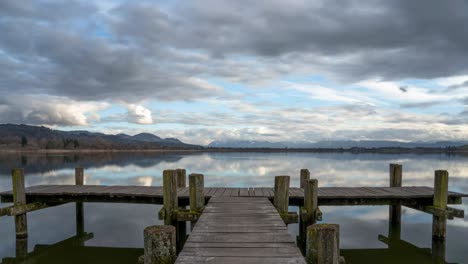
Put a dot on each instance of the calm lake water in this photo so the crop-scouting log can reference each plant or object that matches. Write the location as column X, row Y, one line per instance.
column 115, row 231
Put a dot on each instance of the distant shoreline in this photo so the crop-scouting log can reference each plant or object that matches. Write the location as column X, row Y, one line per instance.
column 253, row 150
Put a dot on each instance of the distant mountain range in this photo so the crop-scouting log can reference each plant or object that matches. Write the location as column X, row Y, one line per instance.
column 38, row 137
column 335, row 144
column 26, row 137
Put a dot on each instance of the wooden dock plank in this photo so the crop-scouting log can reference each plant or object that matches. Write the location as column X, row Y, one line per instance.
column 153, row 194
column 240, row 230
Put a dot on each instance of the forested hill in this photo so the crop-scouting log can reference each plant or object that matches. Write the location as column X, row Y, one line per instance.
column 38, row 137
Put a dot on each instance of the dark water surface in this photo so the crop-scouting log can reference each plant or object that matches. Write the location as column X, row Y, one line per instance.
column 115, row 231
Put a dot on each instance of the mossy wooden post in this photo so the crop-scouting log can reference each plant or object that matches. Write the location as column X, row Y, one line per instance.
column 438, row 251
column 21, row 248
column 305, row 176
column 197, row 192
column 323, row 244
column 79, row 180
column 307, row 213
column 439, row 223
column 281, row 198
column 181, row 228
column 181, row 175
column 169, row 196
column 160, row 244
column 19, row 198
column 311, row 201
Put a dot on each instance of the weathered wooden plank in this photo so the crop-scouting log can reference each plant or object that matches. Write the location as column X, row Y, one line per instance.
column 243, row 260
column 240, row 228
column 291, row 251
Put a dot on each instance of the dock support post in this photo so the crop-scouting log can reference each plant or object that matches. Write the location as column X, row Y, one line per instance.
column 305, row 176
column 395, row 181
column 170, row 199
column 281, row 198
column 311, row 201
column 323, row 244
column 309, row 213
column 19, row 198
column 79, row 180
column 197, row 192
column 439, row 223
column 181, row 182
column 160, row 244
column 21, row 248
column 181, row 230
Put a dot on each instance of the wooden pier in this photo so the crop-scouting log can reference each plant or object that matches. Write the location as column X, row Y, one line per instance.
column 239, row 225
column 240, row 230
column 333, row 196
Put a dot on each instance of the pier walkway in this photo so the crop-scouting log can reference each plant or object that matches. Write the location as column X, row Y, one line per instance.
column 240, row 230
column 154, row 194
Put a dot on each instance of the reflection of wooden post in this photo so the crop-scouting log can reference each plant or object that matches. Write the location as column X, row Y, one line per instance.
column 395, row 181
column 323, row 244
column 181, row 178
column 305, row 176
column 281, row 198
column 169, row 195
column 79, row 180
column 160, row 244
column 439, row 223
column 19, row 198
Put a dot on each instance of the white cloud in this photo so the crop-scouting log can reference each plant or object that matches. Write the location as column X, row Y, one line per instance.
column 49, row 110
column 139, row 114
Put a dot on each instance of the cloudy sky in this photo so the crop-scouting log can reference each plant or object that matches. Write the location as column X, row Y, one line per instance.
column 265, row 70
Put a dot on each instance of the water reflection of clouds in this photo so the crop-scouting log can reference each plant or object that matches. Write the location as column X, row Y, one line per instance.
column 360, row 225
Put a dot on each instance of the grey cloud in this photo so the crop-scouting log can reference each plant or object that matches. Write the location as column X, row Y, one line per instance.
column 464, row 101
column 389, row 39
column 46, row 10
column 165, row 53
column 457, row 86
column 427, row 104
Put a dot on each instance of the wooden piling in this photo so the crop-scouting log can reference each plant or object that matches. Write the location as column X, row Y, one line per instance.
column 396, row 175
column 439, row 223
column 196, row 192
column 281, row 198
column 79, row 176
column 19, row 198
column 323, row 244
column 305, row 176
column 79, row 209
column 21, row 248
column 160, row 244
column 311, row 201
column 181, row 179
column 169, row 195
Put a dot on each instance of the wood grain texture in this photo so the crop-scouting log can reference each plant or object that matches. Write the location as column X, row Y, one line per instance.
column 240, row 230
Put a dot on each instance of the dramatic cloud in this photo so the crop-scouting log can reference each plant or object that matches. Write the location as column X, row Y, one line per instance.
column 47, row 110
column 211, row 69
